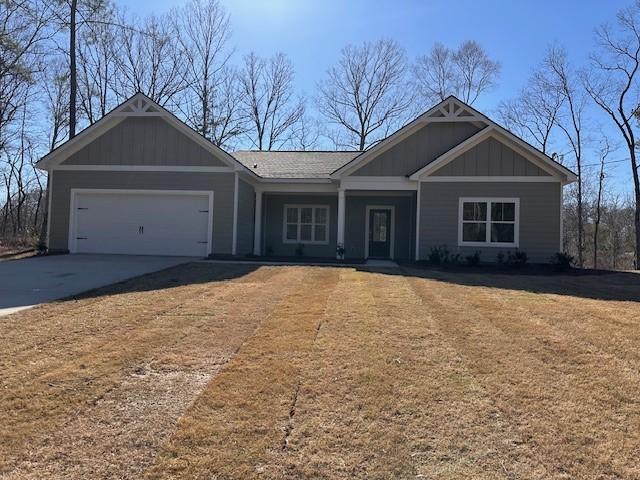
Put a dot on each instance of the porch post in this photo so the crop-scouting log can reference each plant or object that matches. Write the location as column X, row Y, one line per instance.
column 257, row 225
column 341, row 210
column 418, row 221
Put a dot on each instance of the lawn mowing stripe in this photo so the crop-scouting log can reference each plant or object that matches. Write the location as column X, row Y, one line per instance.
column 556, row 395
column 107, row 363
column 241, row 417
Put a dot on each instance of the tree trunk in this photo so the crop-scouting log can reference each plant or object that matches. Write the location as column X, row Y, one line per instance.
column 596, row 226
column 73, row 71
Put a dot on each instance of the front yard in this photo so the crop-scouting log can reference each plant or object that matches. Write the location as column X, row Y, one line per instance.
column 240, row 371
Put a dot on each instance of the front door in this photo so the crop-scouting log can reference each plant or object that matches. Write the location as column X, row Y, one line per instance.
column 379, row 233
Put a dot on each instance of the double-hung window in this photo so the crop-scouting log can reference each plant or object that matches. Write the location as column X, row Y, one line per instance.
column 489, row 222
column 306, row 224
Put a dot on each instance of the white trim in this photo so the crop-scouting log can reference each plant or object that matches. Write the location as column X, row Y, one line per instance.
column 49, row 193
column 418, row 221
column 341, row 219
column 536, row 179
column 235, row 214
column 378, row 183
column 474, row 140
column 71, row 240
column 446, row 111
column 392, row 208
column 487, row 242
column 561, row 249
column 137, row 105
column 257, row 224
column 300, row 206
column 298, row 188
column 143, row 168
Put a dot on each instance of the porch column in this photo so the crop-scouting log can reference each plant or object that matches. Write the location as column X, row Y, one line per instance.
column 341, row 210
column 257, row 225
column 418, row 220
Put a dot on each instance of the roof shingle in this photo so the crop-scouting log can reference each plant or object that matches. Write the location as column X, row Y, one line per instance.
column 292, row 164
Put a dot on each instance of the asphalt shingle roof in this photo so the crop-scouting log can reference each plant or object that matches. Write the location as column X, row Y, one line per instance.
column 291, row 164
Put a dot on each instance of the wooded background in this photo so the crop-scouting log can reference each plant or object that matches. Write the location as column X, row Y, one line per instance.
column 66, row 63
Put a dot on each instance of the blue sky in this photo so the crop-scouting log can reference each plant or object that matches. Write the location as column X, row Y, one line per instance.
column 514, row 32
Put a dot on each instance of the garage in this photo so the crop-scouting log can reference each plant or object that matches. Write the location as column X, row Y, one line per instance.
column 141, row 222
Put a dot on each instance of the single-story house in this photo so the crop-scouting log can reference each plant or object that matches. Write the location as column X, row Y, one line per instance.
column 140, row 181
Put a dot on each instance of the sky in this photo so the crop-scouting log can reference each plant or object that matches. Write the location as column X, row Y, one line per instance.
column 514, row 32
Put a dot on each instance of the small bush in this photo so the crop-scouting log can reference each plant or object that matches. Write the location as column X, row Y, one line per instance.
column 563, row 261
column 340, row 251
column 517, row 258
column 268, row 251
column 512, row 259
column 453, row 259
column 300, row 250
column 473, row 260
column 439, row 255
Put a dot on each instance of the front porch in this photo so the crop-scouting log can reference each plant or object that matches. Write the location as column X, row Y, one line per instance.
column 368, row 224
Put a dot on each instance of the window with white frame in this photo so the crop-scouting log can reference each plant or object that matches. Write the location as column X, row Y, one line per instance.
column 489, row 222
column 306, row 224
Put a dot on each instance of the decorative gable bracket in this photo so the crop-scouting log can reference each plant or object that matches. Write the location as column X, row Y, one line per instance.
column 452, row 111
column 138, row 106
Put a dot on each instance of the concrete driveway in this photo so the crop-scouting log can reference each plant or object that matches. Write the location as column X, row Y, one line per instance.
column 31, row 281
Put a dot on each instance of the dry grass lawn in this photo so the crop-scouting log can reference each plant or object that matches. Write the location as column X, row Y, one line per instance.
column 232, row 371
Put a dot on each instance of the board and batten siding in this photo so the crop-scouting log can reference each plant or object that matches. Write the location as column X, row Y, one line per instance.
column 144, row 141
column 490, row 158
column 418, row 149
column 222, row 185
column 539, row 216
column 356, row 235
column 246, row 206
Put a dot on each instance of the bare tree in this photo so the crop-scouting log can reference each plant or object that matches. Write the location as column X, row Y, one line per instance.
column 366, row 93
column 467, row 73
column 97, row 67
column 613, row 85
column 563, row 80
column 534, row 113
column 148, row 60
column 306, row 134
column 269, row 104
column 226, row 118
column 604, row 153
column 203, row 31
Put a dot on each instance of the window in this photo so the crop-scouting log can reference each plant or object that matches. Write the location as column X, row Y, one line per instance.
column 306, row 224
column 489, row 222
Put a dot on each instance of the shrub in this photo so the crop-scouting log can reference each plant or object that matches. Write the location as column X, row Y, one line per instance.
column 453, row 259
column 299, row 250
column 268, row 251
column 500, row 258
column 517, row 258
column 473, row 260
column 439, row 255
column 340, row 250
column 563, row 261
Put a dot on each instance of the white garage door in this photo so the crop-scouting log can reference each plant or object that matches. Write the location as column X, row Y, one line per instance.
column 141, row 222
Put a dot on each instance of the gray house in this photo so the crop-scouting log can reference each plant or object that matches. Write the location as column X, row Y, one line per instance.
column 140, row 181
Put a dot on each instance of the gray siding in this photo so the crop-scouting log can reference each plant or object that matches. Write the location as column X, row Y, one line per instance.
column 246, row 205
column 490, row 158
column 539, row 216
column 143, row 141
column 221, row 183
column 273, row 205
column 418, row 149
column 355, row 224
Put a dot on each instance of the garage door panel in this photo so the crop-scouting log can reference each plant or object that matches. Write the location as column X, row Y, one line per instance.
column 142, row 224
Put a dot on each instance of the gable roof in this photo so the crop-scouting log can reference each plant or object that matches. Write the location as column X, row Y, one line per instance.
column 294, row 164
column 139, row 105
column 452, row 109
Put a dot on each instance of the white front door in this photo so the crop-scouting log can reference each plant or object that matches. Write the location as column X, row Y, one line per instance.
column 141, row 223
